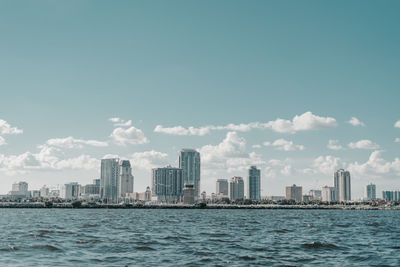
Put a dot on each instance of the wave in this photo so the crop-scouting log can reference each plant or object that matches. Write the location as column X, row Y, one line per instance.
column 319, row 245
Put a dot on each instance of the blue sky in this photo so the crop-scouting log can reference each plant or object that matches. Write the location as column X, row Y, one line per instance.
column 67, row 67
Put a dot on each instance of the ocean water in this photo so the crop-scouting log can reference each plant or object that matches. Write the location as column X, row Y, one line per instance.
column 146, row 237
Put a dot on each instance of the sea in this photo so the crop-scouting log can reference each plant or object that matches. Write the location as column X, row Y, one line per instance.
column 195, row 237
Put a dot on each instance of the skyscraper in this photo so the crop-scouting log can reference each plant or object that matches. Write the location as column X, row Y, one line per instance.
column 222, row 187
column 254, row 186
column 109, row 179
column 189, row 162
column 167, row 184
column 236, row 188
column 125, row 178
column 370, row 192
column 70, row 191
column 328, row 194
column 294, row 192
column 341, row 179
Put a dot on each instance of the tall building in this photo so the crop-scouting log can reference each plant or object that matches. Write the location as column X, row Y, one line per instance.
column 254, row 186
column 341, row 179
column 167, row 184
column 70, row 191
column 126, row 178
column 236, row 188
column 329, row 194
column 222, row 187
column 189, row 162
column 294, row 192
column 21, row 189
column 370, row 192
column 109, row 180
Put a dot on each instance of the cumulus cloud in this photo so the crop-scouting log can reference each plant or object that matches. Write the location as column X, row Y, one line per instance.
column 397, row 140
column 2, row 141
column 334, row 145
column 284, row 145
column 376, row 166
column 277, row 167
column 149, row 159
column 356, row 122
column 5, row 128
column 326, row 164
column 304, row 122
column 256, row 146
column 363, row 144
column 70, row 142
column 397, row 124
column 131, row 135
column 120, row 122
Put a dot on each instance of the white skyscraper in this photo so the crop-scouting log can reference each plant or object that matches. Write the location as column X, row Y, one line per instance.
column 342, row 185
column 236, row 188
column 254, row 186
column 189, row 162
column 109, row 180
column 370, row 192
column 126, row 178
column 329, row 194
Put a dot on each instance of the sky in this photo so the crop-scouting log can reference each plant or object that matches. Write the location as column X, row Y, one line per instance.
column 297, row 88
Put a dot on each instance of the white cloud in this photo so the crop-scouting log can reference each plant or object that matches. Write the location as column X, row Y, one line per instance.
column 277, row 167
column 326, row 165
column 363, row 144
column 356, row 122
column 256, row 146
column 131, row 135
column 397, row 124
column 376, row 166
column 334, row 145
column 149, row 159
column 305, row 122
column 285, row 145
column 70, row 142
column 2, row 141
column 397, row 140
column 120, row 122
column 5, row 128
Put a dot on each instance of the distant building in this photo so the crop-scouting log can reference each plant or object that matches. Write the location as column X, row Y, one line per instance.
column 236, row 188
column 329, row 194
column 275, row 198
column 126, row 178
column 203, row 195
column 254, row 186
column 307, row 198
column 20, row 189
column 294, row 193
column 370, row 192
column 391, row 195
column 316, row 194
column 188, row 194
column 70, row 191
column 109, row 179
column 167, row 184
column 96, row 182
column 44, row 192
column 189, row 162
column 91, row 191
column 35, row 193
column 222, row 187
column 342, row 184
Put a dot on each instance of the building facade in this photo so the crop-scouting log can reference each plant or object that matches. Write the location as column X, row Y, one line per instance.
column 329, row 194
column 254, row 186
column 294, row 192
column 109, row 180
column 391, row 195
column 188, row 194
column 222, row 187
column 167, row 184
column 341, row 180
column 236, row 188
column 70, row 191
column 189, row 162
column 315, row 194
column 370, row 192
column 20, row 189
column 125, row 178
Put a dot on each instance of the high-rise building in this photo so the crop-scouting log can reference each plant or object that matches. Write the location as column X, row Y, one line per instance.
column 109, row 180
column 21, row 189
column 126, row 178
column 167, row 184
column 329, row 194
column 222, row 187
column 70, row 191
column 254, row 186
column 189, row 162
column 294, row 192
column 370, row 191
column 341, row 179
column 391, row 195
column 236, row 188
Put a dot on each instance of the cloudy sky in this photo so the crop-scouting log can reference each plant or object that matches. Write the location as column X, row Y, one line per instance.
column 297, row 88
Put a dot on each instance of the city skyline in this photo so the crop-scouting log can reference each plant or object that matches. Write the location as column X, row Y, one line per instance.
column 229, row 87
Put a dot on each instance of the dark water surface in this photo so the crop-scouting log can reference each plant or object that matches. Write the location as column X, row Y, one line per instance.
column 144, row 237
